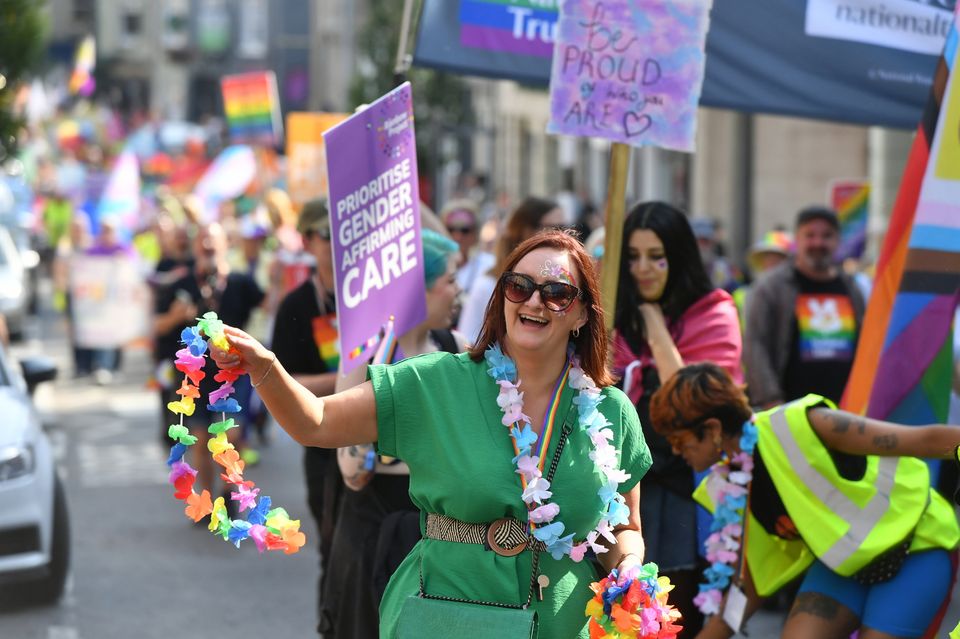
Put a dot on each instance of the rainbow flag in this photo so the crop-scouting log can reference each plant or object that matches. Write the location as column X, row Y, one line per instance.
column 518, row 26
column 851, row 200
column 84, row 62
column 385, row 341
column 388, row 348
column 903, row 366
column 252, row 107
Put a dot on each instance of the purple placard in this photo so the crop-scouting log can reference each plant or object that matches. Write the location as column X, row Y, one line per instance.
column 629, row 70
column 375, row 224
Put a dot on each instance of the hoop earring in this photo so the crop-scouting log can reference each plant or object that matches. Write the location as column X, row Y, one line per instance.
column 575, row 332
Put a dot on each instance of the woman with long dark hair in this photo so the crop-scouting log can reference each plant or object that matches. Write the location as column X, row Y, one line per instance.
column 668, row 315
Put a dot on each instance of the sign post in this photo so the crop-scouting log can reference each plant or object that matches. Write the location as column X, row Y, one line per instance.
column 613, row 238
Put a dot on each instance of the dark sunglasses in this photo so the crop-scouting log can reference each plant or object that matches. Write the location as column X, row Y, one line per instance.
column 556, row 296
column 462, row 230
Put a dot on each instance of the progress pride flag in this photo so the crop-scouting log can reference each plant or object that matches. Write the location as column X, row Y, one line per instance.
column 375, row 224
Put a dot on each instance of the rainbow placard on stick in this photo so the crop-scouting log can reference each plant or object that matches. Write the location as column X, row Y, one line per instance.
column 252, row 107
column 851, row 200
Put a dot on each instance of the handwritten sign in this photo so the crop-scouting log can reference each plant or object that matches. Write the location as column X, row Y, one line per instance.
column 629, row 70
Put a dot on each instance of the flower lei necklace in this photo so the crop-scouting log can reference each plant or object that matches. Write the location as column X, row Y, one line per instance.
column 536, row 488
column 728, row 489
column 270, row 528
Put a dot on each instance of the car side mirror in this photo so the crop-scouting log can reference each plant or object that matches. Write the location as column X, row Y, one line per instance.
column 37, row 369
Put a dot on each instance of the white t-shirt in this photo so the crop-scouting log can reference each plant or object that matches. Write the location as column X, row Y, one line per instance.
column 478, row 264
column 471, row 317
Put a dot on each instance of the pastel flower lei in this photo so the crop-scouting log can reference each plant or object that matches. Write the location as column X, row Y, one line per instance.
column 727, row 486
column 541, row 512
column 632, row 604
column 270, row 528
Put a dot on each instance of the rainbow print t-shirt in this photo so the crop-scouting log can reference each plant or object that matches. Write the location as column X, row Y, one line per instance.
column 325, row 337
column 826, row 327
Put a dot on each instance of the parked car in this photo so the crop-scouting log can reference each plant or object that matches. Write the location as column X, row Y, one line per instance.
column 16, row 215
column 14, row 286
column 34, row 520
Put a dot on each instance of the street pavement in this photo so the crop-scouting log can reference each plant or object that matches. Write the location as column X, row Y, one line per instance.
column 140, row 568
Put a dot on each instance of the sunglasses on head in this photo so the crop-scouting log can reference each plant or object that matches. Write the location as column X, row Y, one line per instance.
column 556, row 296
column 462, row 230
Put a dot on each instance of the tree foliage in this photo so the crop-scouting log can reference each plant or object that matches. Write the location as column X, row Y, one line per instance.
column 22, row 39
column 441, row 101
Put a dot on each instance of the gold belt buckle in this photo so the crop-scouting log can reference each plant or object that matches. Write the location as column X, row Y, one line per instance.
column 495, row 546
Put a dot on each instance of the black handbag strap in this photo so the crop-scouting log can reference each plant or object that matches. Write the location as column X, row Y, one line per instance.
column 535, row 562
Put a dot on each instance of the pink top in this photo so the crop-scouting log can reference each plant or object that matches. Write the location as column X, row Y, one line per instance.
column 709, row 331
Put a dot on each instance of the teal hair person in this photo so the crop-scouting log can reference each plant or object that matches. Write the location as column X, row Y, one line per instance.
column 437, row 250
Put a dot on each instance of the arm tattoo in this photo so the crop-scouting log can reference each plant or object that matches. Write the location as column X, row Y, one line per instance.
column 885, row 442
column 843, row 421
column 840, row 423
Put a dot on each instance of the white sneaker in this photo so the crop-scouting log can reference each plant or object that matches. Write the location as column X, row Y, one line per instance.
column 102, row 376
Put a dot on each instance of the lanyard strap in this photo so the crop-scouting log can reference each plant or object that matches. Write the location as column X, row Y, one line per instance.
column 549, row 419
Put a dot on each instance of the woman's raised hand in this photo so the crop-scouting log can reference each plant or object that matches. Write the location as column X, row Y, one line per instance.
column 653, row 319
column 245, row 352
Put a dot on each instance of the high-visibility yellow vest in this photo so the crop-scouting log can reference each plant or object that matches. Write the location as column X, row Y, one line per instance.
column 843, row 523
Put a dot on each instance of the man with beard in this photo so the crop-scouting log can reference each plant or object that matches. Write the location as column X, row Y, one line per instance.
column 804, row 319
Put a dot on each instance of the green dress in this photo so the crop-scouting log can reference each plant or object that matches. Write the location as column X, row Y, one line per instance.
column 438, row 412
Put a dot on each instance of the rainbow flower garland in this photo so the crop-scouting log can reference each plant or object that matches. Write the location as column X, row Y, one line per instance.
column 270, row 528
column 536, row 488
column 632, row 604
column 728, row 489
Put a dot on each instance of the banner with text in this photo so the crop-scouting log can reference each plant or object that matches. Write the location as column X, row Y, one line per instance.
column 863, row 61
column 306, row 155
column 110, row 302
column 629, row 70
column 375, row 223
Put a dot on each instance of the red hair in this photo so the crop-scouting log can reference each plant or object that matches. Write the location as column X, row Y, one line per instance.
column 591, row 344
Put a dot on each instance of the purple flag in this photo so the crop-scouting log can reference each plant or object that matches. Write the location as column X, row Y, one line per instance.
column 375, row 224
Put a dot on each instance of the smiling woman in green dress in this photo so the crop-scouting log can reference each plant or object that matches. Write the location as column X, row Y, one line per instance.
column 521, row 437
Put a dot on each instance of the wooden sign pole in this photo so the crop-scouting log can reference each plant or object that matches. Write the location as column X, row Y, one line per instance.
column 615, row 208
